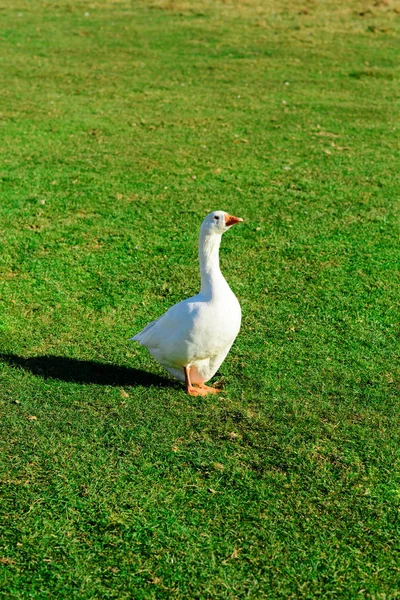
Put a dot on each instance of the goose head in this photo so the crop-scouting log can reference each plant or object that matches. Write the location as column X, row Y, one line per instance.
column 218, row 222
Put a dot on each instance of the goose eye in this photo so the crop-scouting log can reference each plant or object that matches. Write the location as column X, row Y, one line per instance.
column 216, row 218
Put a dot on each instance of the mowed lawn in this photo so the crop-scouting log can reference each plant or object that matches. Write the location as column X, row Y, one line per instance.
column 121, row 125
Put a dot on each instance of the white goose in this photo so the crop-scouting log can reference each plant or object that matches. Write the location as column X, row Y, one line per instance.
column 193, row 337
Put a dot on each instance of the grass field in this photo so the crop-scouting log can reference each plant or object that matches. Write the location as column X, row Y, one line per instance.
column 122, row 124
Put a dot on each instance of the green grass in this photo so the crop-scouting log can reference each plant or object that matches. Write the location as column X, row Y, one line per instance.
column 119, row 131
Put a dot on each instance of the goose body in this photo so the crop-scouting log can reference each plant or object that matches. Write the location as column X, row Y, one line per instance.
column 193, row 337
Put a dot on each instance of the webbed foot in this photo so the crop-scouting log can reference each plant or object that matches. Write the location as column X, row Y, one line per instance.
column 196, row 391
column 208, row 389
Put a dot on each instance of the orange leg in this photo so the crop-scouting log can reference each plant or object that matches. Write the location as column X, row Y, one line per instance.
column 189, row 387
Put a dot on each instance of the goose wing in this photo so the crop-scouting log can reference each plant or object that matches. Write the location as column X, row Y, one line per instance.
column 173, row 326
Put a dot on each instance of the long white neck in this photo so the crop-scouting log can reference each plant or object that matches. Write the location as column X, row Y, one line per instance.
column 212, row 280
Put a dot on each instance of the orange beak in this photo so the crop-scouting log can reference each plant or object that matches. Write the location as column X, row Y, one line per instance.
column 231, row 220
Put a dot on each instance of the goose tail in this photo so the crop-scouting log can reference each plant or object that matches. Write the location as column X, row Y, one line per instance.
column 139, row 336
column 135, row 338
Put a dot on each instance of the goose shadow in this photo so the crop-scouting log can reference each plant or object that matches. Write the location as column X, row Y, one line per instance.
column 74, row 370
